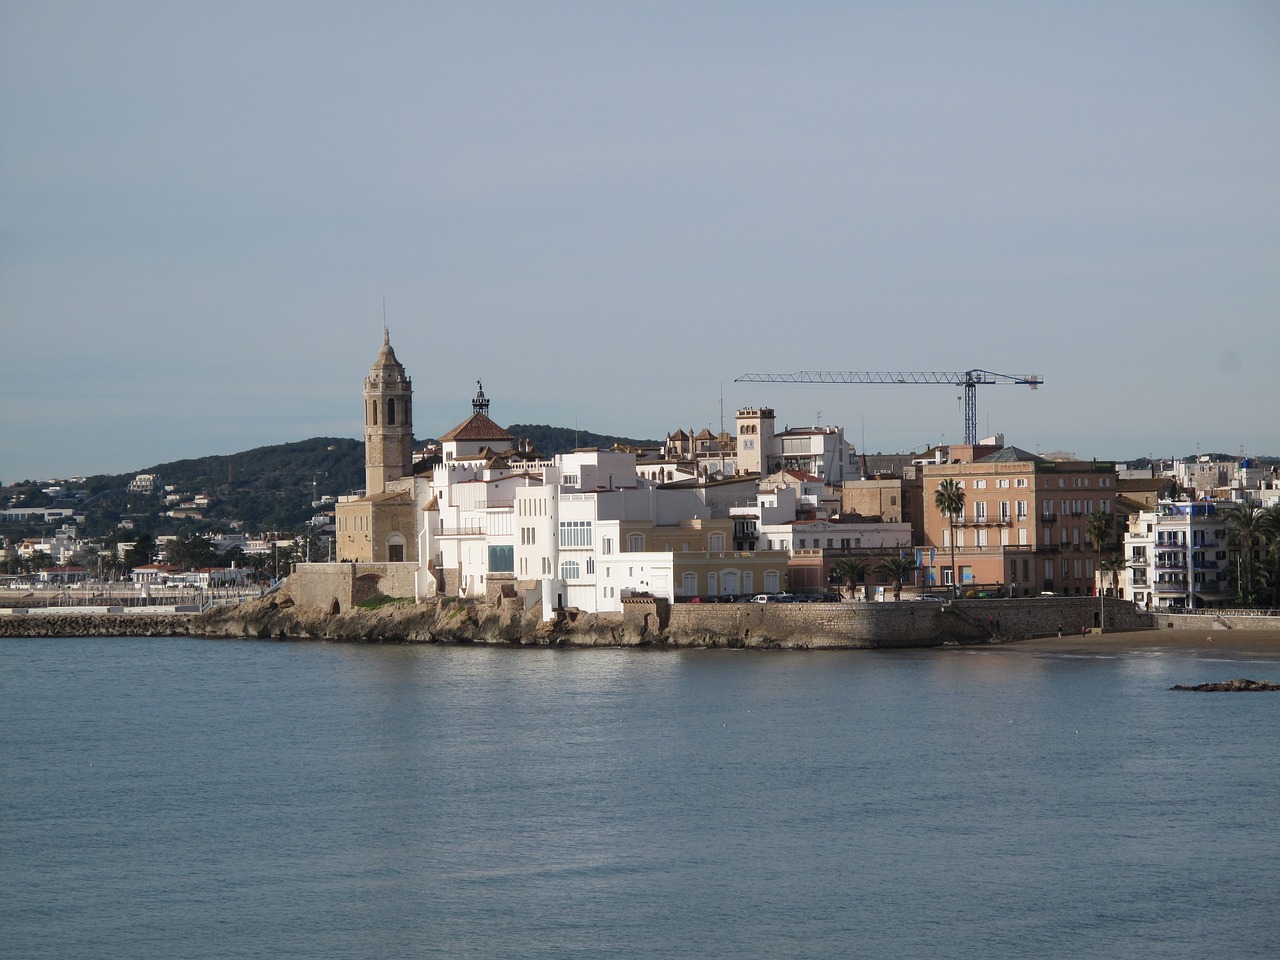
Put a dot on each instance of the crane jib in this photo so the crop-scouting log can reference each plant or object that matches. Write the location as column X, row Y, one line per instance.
column 969, row 379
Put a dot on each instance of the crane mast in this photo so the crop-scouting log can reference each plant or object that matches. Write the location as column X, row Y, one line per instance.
column 969, row 379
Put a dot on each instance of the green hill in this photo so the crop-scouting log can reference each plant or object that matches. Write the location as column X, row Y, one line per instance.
column 267, row 488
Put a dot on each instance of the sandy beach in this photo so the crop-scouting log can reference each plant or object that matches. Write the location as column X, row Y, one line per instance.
column 1255, row 644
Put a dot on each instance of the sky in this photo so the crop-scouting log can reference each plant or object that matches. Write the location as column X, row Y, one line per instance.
column 607, row 212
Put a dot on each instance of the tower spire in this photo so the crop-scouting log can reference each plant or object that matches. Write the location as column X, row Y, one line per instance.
column 481, row 403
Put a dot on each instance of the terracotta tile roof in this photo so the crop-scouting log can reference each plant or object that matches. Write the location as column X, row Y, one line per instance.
column 477, row 427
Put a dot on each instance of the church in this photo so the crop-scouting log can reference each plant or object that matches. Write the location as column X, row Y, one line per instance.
column 486, row 516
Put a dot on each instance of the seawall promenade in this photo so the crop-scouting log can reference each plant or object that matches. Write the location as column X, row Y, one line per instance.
column 643, row 622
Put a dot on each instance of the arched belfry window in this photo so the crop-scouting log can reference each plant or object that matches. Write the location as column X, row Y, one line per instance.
column 374, row 419
column 391, row 411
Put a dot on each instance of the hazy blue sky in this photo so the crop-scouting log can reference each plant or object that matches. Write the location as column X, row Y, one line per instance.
column 608, row 211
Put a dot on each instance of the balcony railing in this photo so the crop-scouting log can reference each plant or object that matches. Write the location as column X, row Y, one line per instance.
column 1167, row 586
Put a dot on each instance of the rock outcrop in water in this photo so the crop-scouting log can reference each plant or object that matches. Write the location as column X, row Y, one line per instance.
column 1238, row 685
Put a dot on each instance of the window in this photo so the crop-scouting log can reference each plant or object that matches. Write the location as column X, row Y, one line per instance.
column 982, row 537
column 502, row 559
column 979, row 484
column 1022, row 509
column 1004, row 511
column 1088, row 506
column 966, row 574
column 1003, row 484
column 1048, row 569
column 569, row 570
column 391, row 411
column 575, row 533
column 1020, row 482
column 1022, row 537
column 980, row 510
column 946, row 576
column 801, row 543
column 606, row 545
column 635, row 542
column 893, row 500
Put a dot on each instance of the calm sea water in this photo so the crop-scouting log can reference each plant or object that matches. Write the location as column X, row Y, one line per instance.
column 206, row 799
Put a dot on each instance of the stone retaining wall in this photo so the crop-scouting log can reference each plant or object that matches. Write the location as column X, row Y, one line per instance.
column 322, row 585
column 807, row 625
column 1022, row 617
column 1212, row 621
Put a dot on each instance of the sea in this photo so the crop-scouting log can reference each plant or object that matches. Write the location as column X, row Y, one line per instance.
column 185, row 798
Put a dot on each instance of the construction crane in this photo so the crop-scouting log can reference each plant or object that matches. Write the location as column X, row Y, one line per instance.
column 969, row 379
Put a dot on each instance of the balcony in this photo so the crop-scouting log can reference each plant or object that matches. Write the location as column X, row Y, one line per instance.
column 1049, row 517
column 1166, row 586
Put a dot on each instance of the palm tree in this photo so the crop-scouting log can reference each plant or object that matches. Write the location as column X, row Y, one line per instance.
column 851, row 570
column 897, row 569
column 1271, row 534
column 1114, row 565
column 1100, row 527
column 949, row 499
column 1245, row 526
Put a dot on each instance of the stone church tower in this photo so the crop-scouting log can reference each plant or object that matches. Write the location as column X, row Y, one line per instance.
column 388, row 421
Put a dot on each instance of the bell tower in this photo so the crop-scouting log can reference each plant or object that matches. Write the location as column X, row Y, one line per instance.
column 388, row 421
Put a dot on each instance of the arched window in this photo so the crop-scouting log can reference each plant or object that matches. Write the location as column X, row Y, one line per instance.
column 391, row 411
column 374, row 421
column 717, row 543
column 569, row 570
column 635, row 542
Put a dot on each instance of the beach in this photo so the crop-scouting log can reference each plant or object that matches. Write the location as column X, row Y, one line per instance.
column 1263, row 644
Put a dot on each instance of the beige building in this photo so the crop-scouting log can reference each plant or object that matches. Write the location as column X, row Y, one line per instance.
column 379, row 527
column 1022, row 531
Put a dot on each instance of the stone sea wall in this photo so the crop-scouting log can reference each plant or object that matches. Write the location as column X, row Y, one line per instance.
column 642, row 622
column 1209, row 620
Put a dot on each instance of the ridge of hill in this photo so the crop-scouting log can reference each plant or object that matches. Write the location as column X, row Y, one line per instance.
column 267, row 488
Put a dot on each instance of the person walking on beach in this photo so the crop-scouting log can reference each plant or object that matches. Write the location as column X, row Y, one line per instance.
column 1059, row 629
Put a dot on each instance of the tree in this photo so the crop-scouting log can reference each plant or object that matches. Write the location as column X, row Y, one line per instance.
column 851, row 570
column 1270, row 527
column 1100, row 527
column 1114, row 565
column 896, row 569
column 142, row 552
column 1245, row 525
column 949, row 499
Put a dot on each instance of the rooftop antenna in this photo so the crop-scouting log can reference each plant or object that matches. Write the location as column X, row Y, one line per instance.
column 722, row 406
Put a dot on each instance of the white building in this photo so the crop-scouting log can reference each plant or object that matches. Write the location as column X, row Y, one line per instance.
column 1178, row 556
